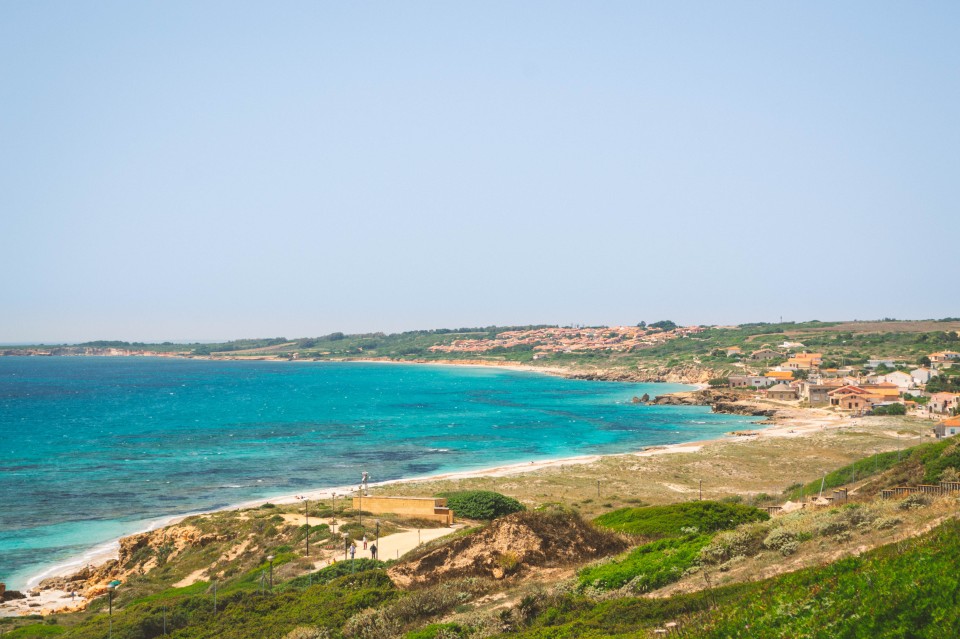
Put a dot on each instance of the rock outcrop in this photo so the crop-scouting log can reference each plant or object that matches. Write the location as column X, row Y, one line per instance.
column 138, row 554
column 721, row 401
column 509, row 545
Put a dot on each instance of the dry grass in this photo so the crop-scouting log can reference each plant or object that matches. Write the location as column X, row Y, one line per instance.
column 745, row 466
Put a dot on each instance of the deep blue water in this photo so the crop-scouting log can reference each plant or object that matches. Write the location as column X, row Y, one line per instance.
column 92, row 448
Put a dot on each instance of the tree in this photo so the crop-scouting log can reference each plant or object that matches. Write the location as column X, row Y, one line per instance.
column 925, row 361
column 890, row 409
column 664, row 325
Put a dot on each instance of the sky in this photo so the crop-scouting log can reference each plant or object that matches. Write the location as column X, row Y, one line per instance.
column 218, row 170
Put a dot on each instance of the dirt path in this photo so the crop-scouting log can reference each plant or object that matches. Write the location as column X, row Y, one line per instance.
column 392, row 546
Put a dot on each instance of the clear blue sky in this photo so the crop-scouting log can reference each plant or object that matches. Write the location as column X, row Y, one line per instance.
column 183, row 170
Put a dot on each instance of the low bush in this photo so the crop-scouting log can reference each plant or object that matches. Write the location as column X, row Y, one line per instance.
column 786, row 542
column 439, row 631
column 916, row 500
column 745, row 541
column 334, row 571
column 481, row 504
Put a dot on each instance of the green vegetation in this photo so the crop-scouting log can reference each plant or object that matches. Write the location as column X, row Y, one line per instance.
column 944, row 383
column 900, row 590
column 438, row 631
column 335, row 571
column 648, row 567
column 681, row 532
column 658, row 522
column 481, row 504
column 923, row 464
column 890, row 409
column 35, row 631
column 247, row 615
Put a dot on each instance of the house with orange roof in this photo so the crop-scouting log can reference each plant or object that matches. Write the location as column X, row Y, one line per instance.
column 886, row 392
column 947, row 428
column 943, row 403
column 944, row 357
column 873, row 394
column 781, row 375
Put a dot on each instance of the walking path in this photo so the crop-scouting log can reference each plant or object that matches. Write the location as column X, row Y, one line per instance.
column 391, row 546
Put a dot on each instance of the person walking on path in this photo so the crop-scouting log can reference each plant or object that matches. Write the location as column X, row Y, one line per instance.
column 353, row 550
column 364, row 542
column 373, row 551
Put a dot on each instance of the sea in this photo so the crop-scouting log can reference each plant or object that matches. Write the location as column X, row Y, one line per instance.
column 94, row 448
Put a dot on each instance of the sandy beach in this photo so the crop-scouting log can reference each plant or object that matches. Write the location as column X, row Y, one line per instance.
column 108, row 551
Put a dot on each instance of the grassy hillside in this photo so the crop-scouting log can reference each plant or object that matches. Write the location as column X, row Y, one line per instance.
column 899, row 590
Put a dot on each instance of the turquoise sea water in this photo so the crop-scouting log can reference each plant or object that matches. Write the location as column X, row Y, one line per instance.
column 94, row 448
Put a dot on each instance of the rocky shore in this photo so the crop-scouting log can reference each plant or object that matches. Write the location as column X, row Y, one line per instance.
column 721, row 401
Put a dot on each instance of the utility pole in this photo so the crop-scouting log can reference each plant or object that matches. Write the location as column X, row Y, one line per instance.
column 214, row 596
column 701, row 490
column 306, row 516
column 598, row 489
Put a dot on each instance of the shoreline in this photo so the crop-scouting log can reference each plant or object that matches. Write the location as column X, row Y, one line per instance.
column 102, row 552
column 107, row 551
column 568, row 372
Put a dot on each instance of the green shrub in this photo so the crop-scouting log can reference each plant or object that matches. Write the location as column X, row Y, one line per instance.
column 785, row 541
column 35, row 630
column 890, row 409
column 729, row 545
column 657, row 522
column 647, row 567
column 439, row 631
column 333, row 571
column 481, row 504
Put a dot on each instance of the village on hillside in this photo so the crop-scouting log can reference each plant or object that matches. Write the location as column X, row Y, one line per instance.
column 571, row 340
column 889, row 386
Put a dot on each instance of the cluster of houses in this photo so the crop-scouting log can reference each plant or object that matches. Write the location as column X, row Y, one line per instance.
column 569, row 340
column 847, row 390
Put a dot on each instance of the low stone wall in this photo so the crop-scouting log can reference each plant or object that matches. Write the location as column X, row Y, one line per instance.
column 433, row 509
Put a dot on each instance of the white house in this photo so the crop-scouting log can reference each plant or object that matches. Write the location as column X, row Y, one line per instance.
column 903, row 381
column 889, row 363
column 922, row 375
